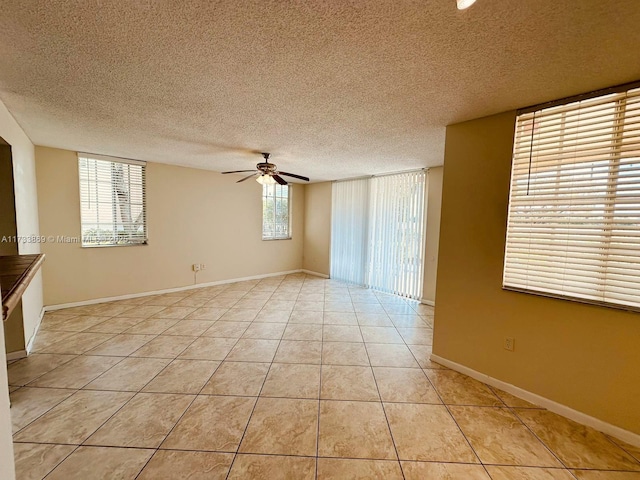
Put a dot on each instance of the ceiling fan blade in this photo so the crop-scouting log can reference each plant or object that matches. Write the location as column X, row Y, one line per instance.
column 279, row 179
column 306, row 179
column 247, row 178
column 239, row 171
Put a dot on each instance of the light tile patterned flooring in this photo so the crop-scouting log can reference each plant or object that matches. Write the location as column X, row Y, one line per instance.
column 290, row 377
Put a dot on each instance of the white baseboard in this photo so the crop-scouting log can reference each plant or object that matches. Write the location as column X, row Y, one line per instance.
column 35, row 332
column 552, row 406
column 316, row 274
column 431, row 303
column 16, row 355
column 60, row 306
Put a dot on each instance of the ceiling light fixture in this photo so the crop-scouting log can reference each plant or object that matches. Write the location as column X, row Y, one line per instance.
column 265, row 180
column 463, row 4
column 268, row 173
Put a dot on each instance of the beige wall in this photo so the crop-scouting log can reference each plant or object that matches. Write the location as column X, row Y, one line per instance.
column 582, row 356
column 14, row 340
column 317, row 228
column 432, row 233
column 26, row 211
column 26, row 205
column 193, row 216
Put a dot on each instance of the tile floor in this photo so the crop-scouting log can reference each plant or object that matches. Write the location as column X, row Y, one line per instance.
column 290, row 377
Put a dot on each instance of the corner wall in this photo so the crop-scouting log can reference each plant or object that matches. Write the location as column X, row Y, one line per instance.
column 14, row 326
column 583, row 356
column 432, row 233
column 7, row 467
column 193, row 216
column 26, row 205
column 317, row 228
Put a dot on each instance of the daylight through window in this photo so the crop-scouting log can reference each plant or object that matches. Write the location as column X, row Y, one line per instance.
column 112, row 201
column 275, row 212
column 574, row 210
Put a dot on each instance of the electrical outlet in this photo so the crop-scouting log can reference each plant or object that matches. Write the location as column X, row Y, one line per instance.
column 509, row 343
column 202, row 266
column 196, row 267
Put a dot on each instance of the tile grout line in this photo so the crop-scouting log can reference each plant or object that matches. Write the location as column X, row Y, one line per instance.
column 447, row 409
column 61, row 461
column 320, row 386
column 194, row 397
column 458, row 425
column 62, row 388
column 244, row 432
column 126, row 403
column 515, row 414
column 375, row 381
column 151, row 380
column 157, row 449
column 245, row 293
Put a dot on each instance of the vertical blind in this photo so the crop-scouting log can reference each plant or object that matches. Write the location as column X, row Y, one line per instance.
column 349, row 226
column 574, row 210
column 377, row 236
column 112, row 201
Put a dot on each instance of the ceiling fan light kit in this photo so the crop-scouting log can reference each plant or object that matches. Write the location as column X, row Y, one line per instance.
column 268, row 173
column 463, row 4
column 265, row 180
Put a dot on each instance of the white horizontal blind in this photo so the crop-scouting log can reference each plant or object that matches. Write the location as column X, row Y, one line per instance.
column 574, row 210
column 349, row 224
column 276, row 212
column 396, row 234
column 377, row 232
column 112, row 201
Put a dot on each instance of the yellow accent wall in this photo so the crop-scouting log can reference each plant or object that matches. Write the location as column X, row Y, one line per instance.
column 583, row 356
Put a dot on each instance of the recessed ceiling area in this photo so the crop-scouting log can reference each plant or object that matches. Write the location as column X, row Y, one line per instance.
column 331, row 89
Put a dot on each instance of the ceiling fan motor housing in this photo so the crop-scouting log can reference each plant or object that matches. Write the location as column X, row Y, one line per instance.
column 267, row 168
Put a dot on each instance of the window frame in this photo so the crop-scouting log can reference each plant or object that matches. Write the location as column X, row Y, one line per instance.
column 611, row 166
column 141, row 185
column 274, row 197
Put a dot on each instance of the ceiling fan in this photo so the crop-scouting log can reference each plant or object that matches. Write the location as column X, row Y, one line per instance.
column 268, row 173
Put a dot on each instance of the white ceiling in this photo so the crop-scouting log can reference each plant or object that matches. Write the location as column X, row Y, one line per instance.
column 331, row 88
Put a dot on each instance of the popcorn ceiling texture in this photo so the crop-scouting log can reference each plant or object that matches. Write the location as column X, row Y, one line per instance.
column 331, row 88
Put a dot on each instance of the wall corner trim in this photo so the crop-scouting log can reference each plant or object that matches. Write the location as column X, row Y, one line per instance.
column 35, row 332
column 555, row 407
column 311, row 272
column 16, row 355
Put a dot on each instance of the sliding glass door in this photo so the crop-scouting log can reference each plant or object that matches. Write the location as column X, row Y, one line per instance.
column 377, row 236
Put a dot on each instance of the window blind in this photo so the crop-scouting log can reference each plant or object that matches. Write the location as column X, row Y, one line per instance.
column 349, row 227
column 396, row 233
column 377, row 232
column 574, row 209
column 112, row 201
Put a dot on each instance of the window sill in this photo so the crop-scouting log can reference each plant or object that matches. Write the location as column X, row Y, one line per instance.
column 568, row 298
column 108, row 245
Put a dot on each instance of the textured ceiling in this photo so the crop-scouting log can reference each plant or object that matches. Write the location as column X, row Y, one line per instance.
column 331, row 88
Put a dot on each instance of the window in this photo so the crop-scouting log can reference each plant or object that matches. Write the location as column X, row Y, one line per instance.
column 574, row 208
column 112, row 201
column 377, row 232
column 275, row 212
